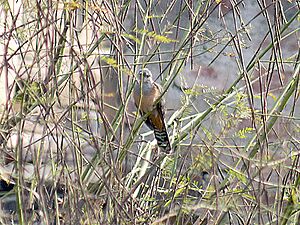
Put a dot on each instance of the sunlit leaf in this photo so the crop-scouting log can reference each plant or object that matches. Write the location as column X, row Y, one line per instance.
column 272, row 96
column 243, row 132
column 72, row 5
column 132, row 38
column 240, row 176
column 155, row 36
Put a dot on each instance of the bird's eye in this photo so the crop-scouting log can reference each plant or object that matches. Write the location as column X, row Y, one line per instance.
column 144, row 74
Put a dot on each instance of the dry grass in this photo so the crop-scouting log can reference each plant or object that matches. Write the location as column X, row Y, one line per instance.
column 74, row 149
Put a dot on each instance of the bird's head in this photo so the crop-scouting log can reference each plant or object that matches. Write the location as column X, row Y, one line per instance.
column 145, row 75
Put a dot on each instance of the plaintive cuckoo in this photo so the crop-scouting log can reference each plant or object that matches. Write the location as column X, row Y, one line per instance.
column 146, row 95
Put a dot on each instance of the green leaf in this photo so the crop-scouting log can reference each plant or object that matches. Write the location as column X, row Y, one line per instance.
column 155, row 36
column 240, row 176
column 243, row 132
column 130, row 36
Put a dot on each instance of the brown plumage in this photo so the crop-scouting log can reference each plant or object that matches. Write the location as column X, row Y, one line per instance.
column 146, row 93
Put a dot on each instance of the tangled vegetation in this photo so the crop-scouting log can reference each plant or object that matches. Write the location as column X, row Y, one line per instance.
column 74, row 148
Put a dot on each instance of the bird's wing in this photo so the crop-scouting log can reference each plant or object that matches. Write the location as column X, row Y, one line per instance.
column 156, row 118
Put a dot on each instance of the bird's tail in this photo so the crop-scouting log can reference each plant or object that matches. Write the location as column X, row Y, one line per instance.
column 162, row 139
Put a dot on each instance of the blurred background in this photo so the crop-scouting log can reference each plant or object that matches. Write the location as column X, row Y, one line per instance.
column 75, row 150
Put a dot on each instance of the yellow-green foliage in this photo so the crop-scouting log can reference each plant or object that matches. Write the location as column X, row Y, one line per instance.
column 155, row 36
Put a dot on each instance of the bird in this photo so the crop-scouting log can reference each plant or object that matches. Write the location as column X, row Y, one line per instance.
column 148, row 100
